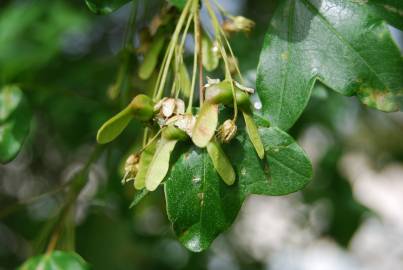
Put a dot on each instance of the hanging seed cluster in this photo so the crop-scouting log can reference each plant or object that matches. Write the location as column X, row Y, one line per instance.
column 168, row 112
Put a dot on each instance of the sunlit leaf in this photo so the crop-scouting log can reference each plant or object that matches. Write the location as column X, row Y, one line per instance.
column 344, row 44
column 145, row 161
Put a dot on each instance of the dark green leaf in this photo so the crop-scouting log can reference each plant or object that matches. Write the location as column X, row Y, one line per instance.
column 138, row 196
column 55, row 261
column 15, row 119
column 344, row 44
column 178, row 3
column 201, row 206
column 390, row 10
column 104, row 6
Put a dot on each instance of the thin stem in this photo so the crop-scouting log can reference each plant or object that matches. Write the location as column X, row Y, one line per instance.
column 224, row 55
column 199, row 54
column 171, row 48
column 195, row 56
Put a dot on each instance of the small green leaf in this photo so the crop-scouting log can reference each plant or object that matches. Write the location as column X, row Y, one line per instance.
column 253, row 134
column 15, row 119
column 55, row 261
column 138, row 197
column 104, row 7
column 210, row 58
column 220, row 161
column 151, row 58
column 114, row 126
column 205, row 125
column 145, row 161
column 159, row 166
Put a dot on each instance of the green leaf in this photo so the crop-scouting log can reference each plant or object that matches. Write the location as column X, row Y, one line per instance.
column 138, row 196
column 55, row 261
column 201, row 206
column 206, row 124
column 343, row 44
column 114, row 126
column 159, row 166
column 15, row 119
column 220, row 162
column 178, row 3
column 151, row 58
column 390, row 10
column 104, row 7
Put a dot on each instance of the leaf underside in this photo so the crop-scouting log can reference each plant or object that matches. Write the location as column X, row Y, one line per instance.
column 343, row 44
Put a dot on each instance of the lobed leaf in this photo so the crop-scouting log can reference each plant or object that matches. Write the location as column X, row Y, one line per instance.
column 201, row 206
column 343, row 44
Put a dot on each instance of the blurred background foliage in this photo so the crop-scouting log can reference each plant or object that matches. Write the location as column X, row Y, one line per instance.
column 65, row 59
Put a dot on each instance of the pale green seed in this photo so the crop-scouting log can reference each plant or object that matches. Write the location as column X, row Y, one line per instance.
column 253, row 134
column 221, row 162
column 114, row 126
column 210, row 58
column 184, row 80
column 151, row 58
column 159, row 165
column 206, row 124
column 145, row 161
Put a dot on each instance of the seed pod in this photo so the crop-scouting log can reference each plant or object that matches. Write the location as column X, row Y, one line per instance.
column 206, row 124
column 210, row 55
column 151, row 58
column 173, row 133
column 253, row 134
column 142, row 108
column 219, row 93
column 145, row 161
column 131, row 168
column 114, row 126
column 221, row 162
column 242, row 100
column 160, row 163
column 227, row 131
